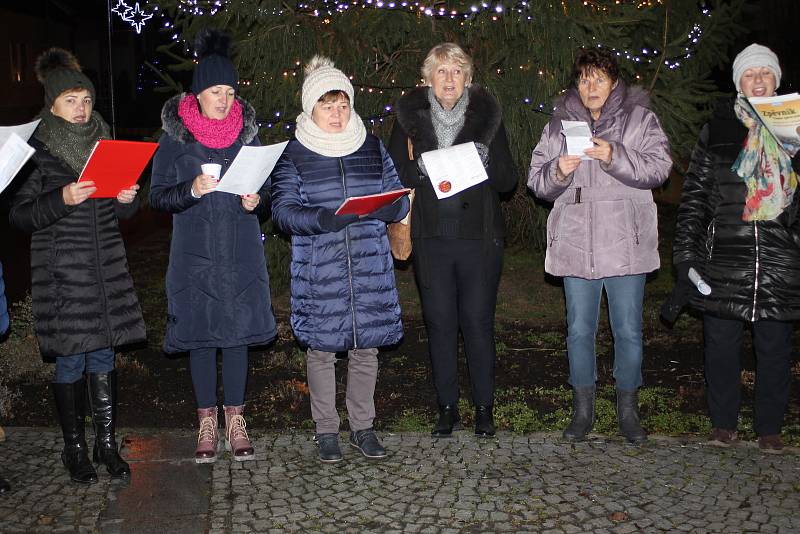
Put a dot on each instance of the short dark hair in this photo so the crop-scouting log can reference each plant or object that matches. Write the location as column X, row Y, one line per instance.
column 588, row 60
column 333, row 96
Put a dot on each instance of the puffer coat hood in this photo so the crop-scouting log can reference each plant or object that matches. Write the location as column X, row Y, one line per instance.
column 604, row 221
column 343, row 285
column 217, row 283
column 83, row 295
column 753, row 267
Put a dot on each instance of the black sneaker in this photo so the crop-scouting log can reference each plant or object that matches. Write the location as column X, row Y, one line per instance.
column 329, row 451
column 367, row 442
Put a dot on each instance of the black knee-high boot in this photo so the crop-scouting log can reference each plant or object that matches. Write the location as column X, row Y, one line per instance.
column 103, row 398
column 71, row 406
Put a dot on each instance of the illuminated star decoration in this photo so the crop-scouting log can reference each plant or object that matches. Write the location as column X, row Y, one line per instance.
column 122, row 9
column 134, row 16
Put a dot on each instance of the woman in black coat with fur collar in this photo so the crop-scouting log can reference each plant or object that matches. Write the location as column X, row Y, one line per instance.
column 458, row 241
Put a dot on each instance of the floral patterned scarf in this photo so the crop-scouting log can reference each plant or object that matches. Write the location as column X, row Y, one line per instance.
column 765, row 168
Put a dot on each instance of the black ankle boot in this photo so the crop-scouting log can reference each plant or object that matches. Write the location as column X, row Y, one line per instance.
column 628, row 416
column 449, row 420
column 582, row 414
column 103, row 397
column 71, row 406
column 484, row 421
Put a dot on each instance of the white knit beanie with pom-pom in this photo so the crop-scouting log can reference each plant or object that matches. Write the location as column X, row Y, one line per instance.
column 321, row 77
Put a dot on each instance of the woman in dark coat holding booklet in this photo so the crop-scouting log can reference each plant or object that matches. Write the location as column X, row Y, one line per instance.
column 458, row 241
column 738, row 227
column 84, row 303
column 217, row 283
column 343, row 288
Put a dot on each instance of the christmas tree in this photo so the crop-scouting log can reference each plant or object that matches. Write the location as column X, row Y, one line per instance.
column 523, row 53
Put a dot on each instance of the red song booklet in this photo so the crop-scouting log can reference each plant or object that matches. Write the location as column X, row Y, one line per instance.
column 116, row 165
column 369, row 203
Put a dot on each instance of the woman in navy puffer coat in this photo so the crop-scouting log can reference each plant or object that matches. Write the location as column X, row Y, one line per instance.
column 343, row 288
column 217, row 283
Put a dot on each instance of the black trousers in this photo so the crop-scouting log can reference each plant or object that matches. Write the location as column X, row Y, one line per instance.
column 458, row 280
column 772, row 344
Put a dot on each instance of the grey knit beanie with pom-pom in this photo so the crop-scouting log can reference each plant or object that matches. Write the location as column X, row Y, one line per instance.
column 322, row 77
column 215, row 67
column 58, row 70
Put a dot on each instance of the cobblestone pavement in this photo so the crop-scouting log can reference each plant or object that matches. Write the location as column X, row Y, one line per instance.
column 532, row 483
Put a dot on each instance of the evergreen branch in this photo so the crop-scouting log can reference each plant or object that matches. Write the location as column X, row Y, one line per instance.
column 663, row 47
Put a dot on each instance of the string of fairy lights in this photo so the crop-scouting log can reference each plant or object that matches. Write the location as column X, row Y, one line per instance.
column 137, row 16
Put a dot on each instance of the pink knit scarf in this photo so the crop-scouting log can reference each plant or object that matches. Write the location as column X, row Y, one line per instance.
column 213, row 133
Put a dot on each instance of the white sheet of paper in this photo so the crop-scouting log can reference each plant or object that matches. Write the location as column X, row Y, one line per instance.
column 13, row 155
column 250, row 169
column 25, row 131
column 579, row 137
column 454, row 169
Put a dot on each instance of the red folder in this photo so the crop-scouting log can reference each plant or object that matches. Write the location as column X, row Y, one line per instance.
column 369, row 203
column 116, row 165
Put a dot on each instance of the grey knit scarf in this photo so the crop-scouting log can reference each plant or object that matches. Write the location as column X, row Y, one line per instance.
column 71, row 142
column 447, row 122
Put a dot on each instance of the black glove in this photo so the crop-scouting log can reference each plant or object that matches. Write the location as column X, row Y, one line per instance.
column 681, row 293
column 387, row 213
column 330, row 222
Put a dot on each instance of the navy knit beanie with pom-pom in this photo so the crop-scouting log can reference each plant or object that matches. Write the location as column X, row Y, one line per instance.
column 215, row 67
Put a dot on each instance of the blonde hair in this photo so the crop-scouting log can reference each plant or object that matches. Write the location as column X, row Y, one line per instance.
column 447, row 53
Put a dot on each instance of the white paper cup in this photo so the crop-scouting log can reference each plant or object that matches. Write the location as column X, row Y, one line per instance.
column 211, row 169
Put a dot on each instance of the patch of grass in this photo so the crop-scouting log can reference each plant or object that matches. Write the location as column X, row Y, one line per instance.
column 411, row 420
column 523, row 410
column 547, row 339
column 501, row 348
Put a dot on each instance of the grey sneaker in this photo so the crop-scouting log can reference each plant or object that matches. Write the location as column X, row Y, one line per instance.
column 329, row 451
column 367, row 442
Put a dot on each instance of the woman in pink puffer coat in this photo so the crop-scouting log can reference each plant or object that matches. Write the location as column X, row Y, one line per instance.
column 602, row 231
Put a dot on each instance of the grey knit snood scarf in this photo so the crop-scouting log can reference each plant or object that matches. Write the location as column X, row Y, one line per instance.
column 447, row 122
column 71, row 142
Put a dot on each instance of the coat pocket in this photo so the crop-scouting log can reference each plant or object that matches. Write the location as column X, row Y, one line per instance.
column 179, row 316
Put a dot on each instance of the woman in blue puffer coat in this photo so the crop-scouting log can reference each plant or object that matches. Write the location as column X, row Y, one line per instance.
column 217, row 283
column 343, row 288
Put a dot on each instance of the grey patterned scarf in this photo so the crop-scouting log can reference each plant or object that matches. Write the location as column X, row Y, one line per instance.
column 71, row 142
column 447, row 122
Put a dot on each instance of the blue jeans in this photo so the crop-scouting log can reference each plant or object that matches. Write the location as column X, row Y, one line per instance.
column 625, row 296
column 70, row 369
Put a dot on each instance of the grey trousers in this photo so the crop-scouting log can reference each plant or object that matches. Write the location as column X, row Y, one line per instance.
column 362, row 373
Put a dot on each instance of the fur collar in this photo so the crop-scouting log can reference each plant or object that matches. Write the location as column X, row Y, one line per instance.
column 482, row 118
column 172, row 124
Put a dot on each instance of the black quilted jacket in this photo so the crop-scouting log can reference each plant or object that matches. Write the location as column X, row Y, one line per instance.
column 753, row 268
column 83, row 296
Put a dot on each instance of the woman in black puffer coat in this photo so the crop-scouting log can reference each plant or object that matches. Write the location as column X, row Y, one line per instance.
column 84, row 303
column 739, row 229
